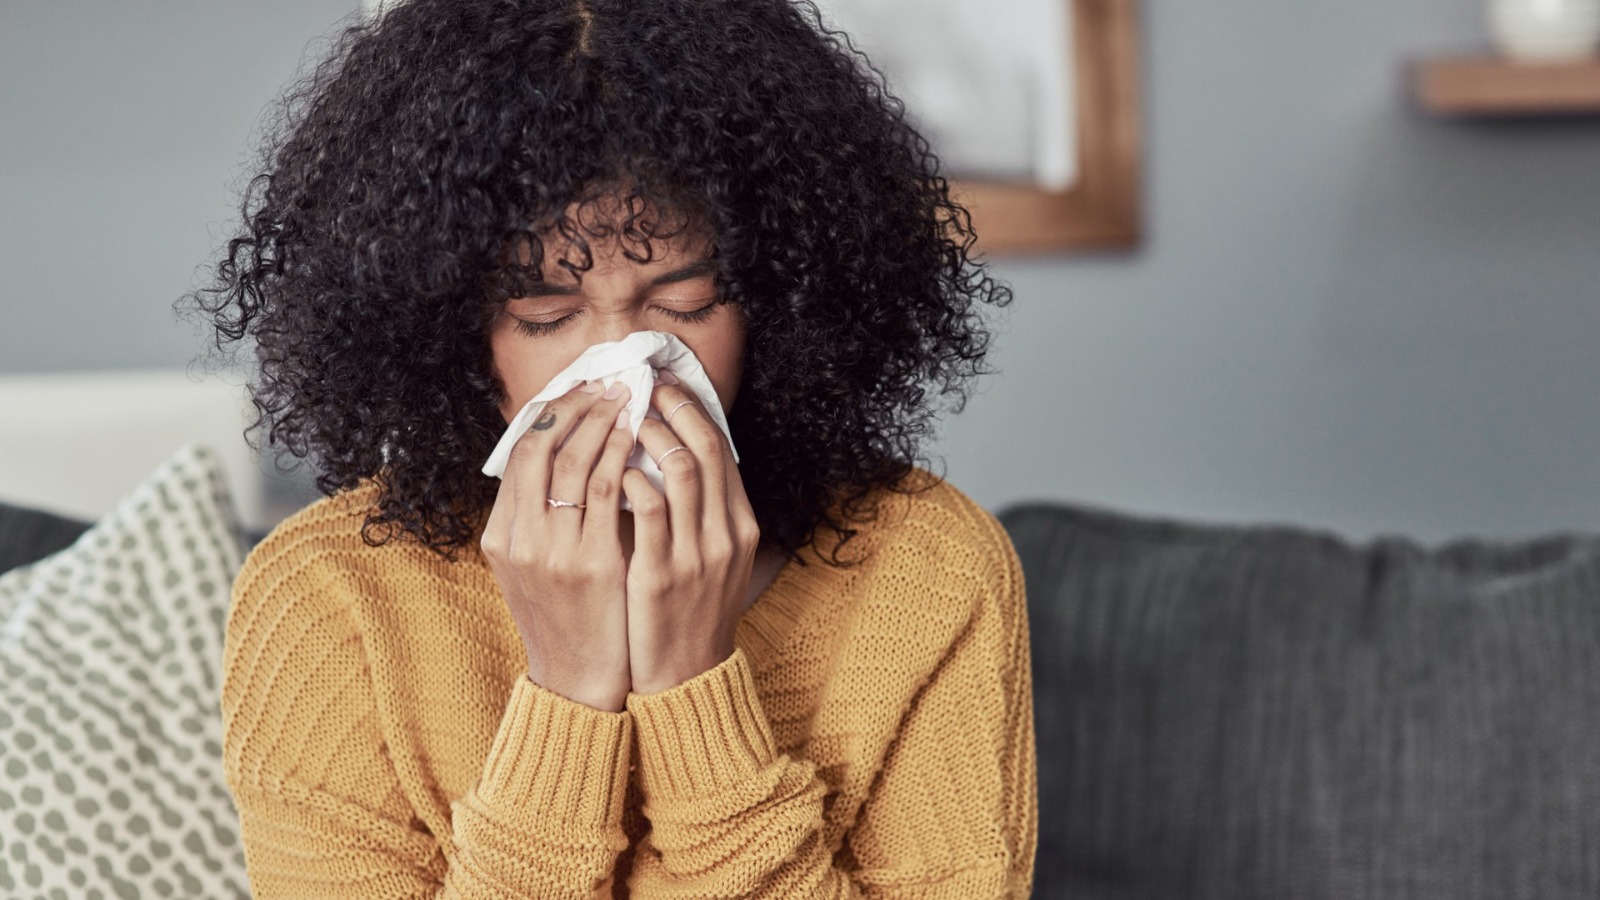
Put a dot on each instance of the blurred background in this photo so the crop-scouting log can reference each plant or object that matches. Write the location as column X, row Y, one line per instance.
column 1343, row 313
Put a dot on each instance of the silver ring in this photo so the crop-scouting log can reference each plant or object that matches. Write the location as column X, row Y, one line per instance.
column 668, row 416
column 557, row 504
column 669, row 453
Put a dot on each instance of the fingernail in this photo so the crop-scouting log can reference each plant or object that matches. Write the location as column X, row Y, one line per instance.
column 590, row 387
column 615, row 390
column 668, row 377
column 622, row 419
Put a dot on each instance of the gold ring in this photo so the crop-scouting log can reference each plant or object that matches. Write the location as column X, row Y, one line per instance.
column 668, row 416
column 557, row 504
column 669, row 453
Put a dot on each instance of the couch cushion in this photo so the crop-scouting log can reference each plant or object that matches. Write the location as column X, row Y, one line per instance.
column 110, row 743
column 29, row 535
column 1228, row 712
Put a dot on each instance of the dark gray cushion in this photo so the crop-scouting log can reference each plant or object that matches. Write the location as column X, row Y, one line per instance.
column 1272, row 713
column 28, row 535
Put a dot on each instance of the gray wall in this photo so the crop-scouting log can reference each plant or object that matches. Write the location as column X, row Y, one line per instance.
column 1344, row 314
column 123, row 129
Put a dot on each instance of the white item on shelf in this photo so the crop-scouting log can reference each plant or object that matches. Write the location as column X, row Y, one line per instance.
column 1546, row 30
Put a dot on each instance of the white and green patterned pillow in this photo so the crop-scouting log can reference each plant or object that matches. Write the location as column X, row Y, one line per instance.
column 111, row 779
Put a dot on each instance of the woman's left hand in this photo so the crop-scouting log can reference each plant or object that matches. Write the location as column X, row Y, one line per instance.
column 693, row 548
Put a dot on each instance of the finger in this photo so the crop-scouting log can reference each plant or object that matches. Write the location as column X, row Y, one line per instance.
column 496, row 540
column 681, row 474
column 651, row 540
column 700, row 434
column 528, row 470
column 575, row 460
column 605, row 485
column 740, row 511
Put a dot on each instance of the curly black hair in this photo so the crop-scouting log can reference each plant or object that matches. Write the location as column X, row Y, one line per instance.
column 372, row 251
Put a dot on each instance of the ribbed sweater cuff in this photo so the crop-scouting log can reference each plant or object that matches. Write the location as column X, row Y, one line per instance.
column 559, row 757
column 702, row 735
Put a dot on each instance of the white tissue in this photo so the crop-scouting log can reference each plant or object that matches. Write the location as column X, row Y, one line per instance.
column 632, row 361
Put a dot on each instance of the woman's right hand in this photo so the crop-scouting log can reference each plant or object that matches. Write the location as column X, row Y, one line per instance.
column 561, row 569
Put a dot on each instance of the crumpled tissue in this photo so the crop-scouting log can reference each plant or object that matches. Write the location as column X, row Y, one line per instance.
column 634, row 360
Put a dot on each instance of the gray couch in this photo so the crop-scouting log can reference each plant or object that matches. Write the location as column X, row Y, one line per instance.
column 1234, row 713
column 1273, row 713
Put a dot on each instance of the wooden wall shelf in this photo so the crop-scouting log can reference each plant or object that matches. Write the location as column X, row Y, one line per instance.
column 1493, row 86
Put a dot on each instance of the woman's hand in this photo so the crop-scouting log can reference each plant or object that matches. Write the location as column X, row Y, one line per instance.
column 693, row 548
column 561, row 568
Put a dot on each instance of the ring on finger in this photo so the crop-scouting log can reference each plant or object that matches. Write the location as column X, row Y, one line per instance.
column 557, row 504
column 669, row 453
column 668, row 416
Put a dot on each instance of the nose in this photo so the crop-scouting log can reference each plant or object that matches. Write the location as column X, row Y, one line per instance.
column 617, row 324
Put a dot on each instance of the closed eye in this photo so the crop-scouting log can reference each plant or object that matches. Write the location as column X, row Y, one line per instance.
column 536, row 329
column 698, row 315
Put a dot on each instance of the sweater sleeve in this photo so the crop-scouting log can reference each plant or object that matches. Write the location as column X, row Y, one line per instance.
column 952, row 814
column 321, row 806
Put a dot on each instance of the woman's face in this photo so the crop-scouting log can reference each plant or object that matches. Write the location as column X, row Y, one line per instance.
column 534, row 337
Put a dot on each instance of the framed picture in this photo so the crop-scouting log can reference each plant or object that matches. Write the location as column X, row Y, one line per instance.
column 1032, row 105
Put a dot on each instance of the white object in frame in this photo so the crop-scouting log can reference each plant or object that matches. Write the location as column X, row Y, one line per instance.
column 989, row 84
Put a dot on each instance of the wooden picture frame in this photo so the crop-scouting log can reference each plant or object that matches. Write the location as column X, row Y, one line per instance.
column 1101, row 210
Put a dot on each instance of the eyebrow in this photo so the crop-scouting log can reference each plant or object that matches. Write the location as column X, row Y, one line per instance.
column 693, row 270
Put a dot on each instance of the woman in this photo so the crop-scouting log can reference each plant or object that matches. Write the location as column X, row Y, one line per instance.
column 802, row 675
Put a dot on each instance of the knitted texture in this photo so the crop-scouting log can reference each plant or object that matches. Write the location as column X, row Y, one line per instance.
column 870, row 736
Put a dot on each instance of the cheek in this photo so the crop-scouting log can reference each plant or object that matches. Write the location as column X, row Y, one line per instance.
column 521, row 373
column 721, row 352
column 726, row 380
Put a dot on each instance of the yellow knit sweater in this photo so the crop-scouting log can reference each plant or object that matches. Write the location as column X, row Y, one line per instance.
column 870, row 736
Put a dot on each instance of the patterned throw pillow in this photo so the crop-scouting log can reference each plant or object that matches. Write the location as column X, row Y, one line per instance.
column 110, row 737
